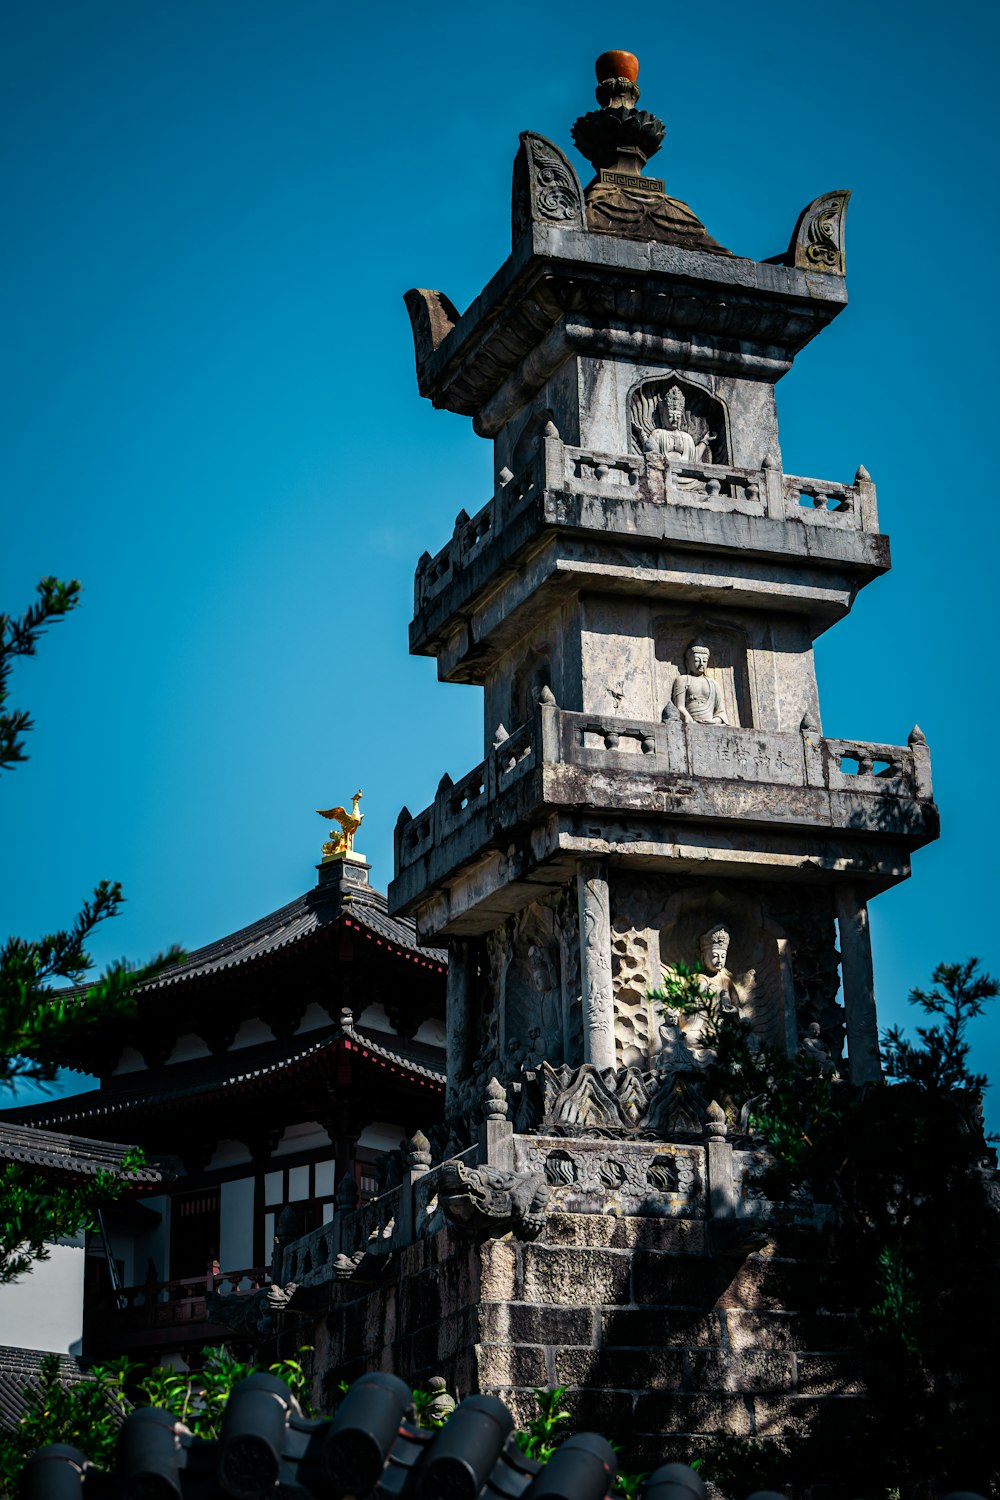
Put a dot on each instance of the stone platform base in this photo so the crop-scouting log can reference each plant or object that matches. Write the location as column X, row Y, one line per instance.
column 663, row 1330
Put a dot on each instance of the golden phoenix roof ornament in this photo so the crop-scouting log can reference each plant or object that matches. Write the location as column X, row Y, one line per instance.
column 341, row 845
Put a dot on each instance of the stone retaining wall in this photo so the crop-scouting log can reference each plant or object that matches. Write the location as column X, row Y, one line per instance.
column 660, row 1339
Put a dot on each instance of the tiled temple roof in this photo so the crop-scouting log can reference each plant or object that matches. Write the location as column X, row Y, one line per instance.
column 240, row 1072
column 298, row 922
column 74, row 1155
column 19, row 1375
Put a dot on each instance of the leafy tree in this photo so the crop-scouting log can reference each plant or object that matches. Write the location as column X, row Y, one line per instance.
column 938, row 1063
column 39, row 1026
column 915, row 1251
column 18, row 637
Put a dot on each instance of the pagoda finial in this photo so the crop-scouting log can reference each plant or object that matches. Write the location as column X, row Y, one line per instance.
column 617, row 73
column 341, row 845
column 618, row 137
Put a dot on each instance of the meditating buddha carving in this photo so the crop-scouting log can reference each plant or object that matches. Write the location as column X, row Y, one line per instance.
column 697, row 698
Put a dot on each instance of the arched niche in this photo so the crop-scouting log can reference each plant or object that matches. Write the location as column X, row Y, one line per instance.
column 702, row 416
column 531, row 1025
column 728, row 663
column 759, row 961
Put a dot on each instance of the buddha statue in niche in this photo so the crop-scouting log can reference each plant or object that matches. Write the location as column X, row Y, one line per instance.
column 696, row 697
column 683, row 1039
column 674, row 440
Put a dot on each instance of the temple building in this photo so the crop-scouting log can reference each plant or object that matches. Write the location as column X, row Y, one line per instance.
column 277, row 1069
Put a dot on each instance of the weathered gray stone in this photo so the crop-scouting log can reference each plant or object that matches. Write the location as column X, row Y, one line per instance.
column 557, row 1275
column 667, row 1328
column 661, row 1370
column 751, row 1373
column 702, row 1414
column 638, row 599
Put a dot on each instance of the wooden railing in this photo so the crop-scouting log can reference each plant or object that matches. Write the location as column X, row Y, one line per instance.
column 174, row 1311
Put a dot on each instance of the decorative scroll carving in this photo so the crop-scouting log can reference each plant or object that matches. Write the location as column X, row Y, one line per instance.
column 581, row 1099
column 817, row 243
column 545, row 189
column 632, row 1176
column 680, row 421
column 478, row 1198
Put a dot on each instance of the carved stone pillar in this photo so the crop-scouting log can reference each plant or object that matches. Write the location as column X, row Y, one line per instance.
column 595, row 966
column 460, row 996
column 859, row 984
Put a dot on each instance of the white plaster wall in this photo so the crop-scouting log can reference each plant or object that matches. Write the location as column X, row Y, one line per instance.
column 433, row 1032
column 228, row 1154
column 188, row 1048
column 236, row 1206
column 381, row 1136
column 252, row 1033
column 374, row 1016
column 129, row 1062
column 155, row 1245
column 313, row 1018
column 304, row 1137
column 44, row 1309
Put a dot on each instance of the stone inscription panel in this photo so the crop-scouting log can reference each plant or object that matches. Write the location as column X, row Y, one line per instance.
column 746, row 755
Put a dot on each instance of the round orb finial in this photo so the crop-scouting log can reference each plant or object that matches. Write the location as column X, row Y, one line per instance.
column 617, row 65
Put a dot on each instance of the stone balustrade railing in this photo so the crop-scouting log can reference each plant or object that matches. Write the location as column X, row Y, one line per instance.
column 560, row 467
column 513, row 493
column 375, row 1229
column 556, row 737
column 703, row 1175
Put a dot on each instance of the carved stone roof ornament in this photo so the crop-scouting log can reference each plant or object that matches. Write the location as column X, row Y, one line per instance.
column 618, row 140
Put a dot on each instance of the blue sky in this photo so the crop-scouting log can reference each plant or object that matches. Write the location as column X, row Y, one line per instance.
column 208, row 409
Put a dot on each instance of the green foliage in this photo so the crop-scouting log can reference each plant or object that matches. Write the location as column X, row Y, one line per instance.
column 552, row 1425
column 34, row 1212
column 939, row 1061
column 628, row 1486
column 89, row 1413
column 548, row 1427
column 792, row 1104
column 18, row 637
column 39, row 1027
column 423, row 1405
column 741, row 1466
column 915, row 1254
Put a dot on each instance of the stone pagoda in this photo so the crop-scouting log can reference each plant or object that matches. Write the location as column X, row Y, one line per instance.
column 638, row 601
